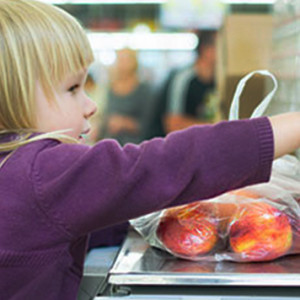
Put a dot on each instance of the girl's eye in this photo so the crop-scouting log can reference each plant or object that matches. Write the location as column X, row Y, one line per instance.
column 73, row 88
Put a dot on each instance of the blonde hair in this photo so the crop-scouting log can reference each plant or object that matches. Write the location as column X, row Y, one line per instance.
column 38, row 43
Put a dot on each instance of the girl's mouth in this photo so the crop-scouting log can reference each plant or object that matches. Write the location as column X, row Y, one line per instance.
column 83, row 137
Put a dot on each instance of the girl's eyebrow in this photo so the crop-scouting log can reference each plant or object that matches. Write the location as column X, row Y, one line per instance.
column 79, row 76
column 76, row 77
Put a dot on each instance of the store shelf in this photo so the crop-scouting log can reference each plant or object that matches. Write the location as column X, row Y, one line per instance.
column 286, row 56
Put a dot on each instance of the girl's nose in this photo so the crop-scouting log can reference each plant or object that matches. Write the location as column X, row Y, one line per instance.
column 90, row 108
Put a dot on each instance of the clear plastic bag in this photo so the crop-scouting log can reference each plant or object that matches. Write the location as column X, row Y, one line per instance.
column 256, row 223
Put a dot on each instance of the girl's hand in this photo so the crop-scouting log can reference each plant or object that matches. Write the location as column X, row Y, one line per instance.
column 286, row 130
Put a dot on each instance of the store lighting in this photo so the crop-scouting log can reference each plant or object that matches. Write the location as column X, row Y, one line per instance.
column 104, row 1
column 142, row 41
column 148, row 1
column 249, row 1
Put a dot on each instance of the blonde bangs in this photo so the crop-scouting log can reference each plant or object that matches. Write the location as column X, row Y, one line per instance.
column 63, row 47
column 38, row 43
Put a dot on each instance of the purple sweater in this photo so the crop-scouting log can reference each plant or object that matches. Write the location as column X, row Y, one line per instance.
column 53, row 194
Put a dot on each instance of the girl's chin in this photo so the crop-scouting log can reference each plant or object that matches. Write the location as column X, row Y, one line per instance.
column 81, row 140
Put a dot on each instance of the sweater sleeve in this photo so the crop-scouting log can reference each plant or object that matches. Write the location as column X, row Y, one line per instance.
column 84, row 188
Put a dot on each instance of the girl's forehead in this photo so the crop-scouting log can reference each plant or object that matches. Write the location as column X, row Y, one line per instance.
column 80, row 75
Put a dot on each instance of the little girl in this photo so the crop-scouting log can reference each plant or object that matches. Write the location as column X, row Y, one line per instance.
column 54, row 190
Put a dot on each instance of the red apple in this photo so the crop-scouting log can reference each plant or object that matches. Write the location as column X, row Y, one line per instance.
column 188, row 231
column 259, row 232
column 295, row 222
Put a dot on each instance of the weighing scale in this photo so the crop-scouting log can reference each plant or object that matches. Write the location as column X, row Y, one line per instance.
column 144, row 272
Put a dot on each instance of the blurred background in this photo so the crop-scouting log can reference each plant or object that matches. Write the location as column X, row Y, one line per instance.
column 144, row 49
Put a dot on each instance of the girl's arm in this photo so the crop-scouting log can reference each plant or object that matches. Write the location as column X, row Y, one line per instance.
column 85, row 188
column 286, row 131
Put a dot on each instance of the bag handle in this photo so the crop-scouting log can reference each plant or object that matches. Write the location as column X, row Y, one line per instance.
column 259, row 110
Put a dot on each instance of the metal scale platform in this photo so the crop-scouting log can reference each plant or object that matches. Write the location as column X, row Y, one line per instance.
column 143, row 272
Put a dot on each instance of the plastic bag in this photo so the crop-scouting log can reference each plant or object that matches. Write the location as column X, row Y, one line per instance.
column 256, row 223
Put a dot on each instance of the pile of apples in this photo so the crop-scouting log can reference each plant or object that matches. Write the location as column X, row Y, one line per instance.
column 253, row 229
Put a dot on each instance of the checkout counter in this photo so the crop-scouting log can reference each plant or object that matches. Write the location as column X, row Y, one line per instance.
column 138, row 271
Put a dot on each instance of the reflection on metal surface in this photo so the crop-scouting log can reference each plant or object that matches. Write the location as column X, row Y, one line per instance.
column 140, row 264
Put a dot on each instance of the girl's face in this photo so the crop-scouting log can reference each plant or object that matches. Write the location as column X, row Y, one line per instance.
column 72, row 109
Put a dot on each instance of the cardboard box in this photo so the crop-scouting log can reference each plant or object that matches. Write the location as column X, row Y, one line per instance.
column 247, row 43
column 244, row 45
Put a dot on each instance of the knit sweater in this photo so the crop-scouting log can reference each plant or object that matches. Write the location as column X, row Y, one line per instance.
column 53, row 194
